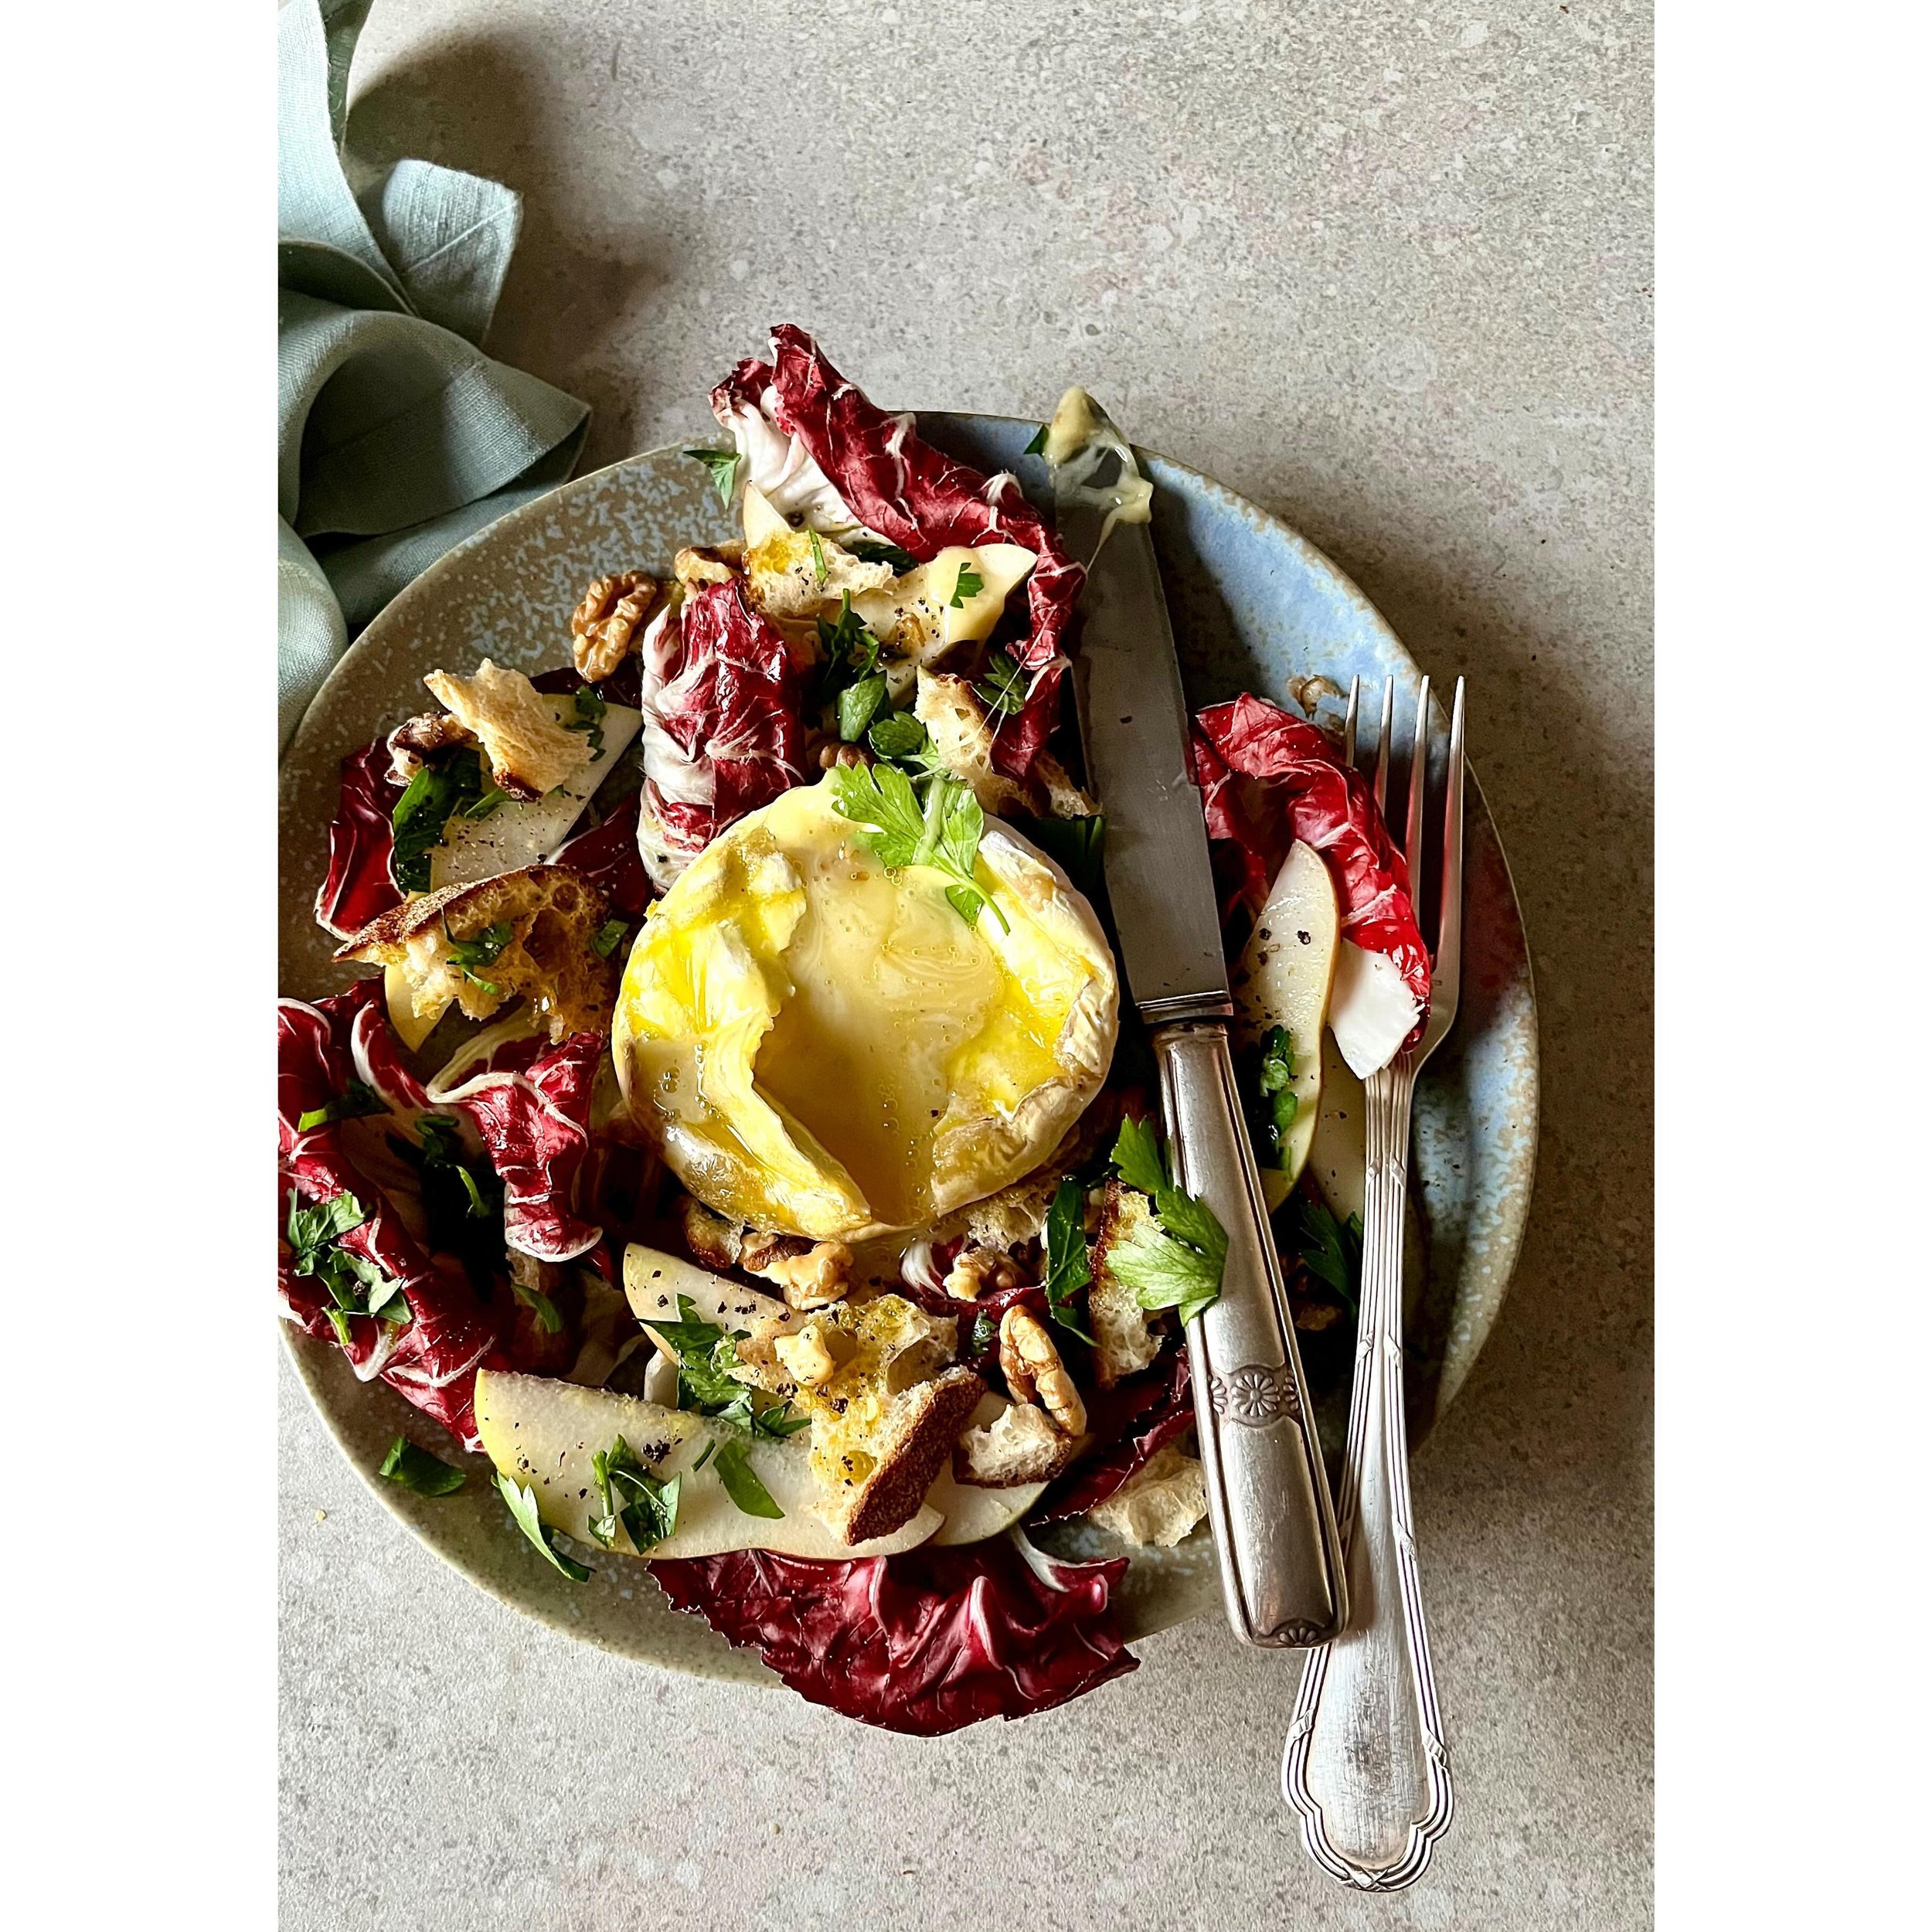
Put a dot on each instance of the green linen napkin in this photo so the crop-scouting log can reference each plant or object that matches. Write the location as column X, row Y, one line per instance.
column 398, row 436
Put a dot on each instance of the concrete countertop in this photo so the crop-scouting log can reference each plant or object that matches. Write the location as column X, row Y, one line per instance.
column 1386, row 270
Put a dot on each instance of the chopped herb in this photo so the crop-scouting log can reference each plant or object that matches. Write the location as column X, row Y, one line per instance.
column 608, row 937
column 1331, row 1251
column 352, row 1104
column 590, row 709
column 723, row 466
column 742, row 1485
column 943, row 831
column 484, row 949
column 817, row 557
column 1273, row 1104
column 858, row 705
column 1077, row 843
column 705, row 1455
column 1038, row 446
column 708, row 1383
column 312, row 1229
column 1003, row 690
column 985, row 1335
column 869, row 551
column 968, row 584
column 897, row 735
column 486, row 803
column 416, row 1469
column 1175, row 1259
column 463, row 1205
column 628, row 1494
column 849, row 643
column 355, row 1284
column 548, row 1318
column 1068, row 1270
column 523, row 1504
column 437, row 793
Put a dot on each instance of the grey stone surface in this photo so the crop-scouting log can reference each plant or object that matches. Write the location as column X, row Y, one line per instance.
column 1386, row 271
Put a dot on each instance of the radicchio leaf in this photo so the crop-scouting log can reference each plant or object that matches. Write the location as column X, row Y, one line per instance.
column 924, row 1643
column 607, row 856
column 902, row 488
column 361, row 836
column 432, row 1360
column 531, row 1103
column 1301, row 789
column 1132, row 1422
column 722, row 734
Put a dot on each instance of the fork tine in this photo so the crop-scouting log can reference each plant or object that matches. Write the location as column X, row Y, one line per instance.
column 1448, row 974
column 1382, row 744
column 1418, row 802
column 1348, row 722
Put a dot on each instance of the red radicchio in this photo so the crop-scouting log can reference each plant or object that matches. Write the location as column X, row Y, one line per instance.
column 432, row 1360
column 722, row 733
column 607, row 856
column 1304, row 791
column 1134, row 1421
column 924, row 1643
column 900, row 487
column 361, row 838
column 530, row 1104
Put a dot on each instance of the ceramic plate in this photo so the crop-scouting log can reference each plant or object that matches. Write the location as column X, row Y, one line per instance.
column 1254, row 607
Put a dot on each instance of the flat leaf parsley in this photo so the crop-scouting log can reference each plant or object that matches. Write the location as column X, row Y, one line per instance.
column 1175, row 1259
column 943, row 831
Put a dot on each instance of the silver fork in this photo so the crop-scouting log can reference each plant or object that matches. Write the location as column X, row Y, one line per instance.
column 1364, row 1764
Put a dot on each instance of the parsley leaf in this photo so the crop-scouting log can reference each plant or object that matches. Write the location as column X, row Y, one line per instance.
column 741, row 1482
column 942, row 832
column 549, row 1317
column 1273, row 1104
column 1137, row 1157
column 818, row 571
column 352, row 1104
column 590, row 709
column 429, row 801
column 464, row 1206
column 486, row 803
column 608, row 937
column 723, row 466
column 311, row 1229
column 858, row 704
column 484, row 949
column 968, row 584
column 1175, row 1260
column 1068, row 1270
column 985, row 1336
column 1331, row 1251
column 416, row 1469
column 707, row 1382
column 867, row 551
column 1077, row 843
column 1003, row 690
column 523, row 1504
column 848, row 647
column 629, row 1494
column 897, row 735
column 355, row 1284
column 1038, row 446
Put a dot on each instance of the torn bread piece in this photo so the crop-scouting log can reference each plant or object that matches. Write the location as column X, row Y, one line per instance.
column 884, row 1422
column 525, row 935
column 528, row 752
column 1159, row 1503
column 961, row 738
column 1126, row 1336
column 1020, row 1445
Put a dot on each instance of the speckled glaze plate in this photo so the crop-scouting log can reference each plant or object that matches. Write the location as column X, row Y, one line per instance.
column 1254, row 608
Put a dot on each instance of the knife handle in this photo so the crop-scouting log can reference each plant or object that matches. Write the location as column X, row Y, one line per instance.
column 1274, row 1523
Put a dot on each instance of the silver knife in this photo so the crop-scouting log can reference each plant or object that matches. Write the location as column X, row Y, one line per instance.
column 1274, row 1523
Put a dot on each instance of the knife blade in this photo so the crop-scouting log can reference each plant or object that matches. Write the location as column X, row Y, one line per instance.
column 1276, row 1541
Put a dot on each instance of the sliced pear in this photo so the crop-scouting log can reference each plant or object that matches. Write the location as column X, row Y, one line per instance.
column 1283, row 979
column 542, row 1433
column 653, row 1280
column 1338, row 1154
column 917, row 611
column 971, row 1514
column 398, row 997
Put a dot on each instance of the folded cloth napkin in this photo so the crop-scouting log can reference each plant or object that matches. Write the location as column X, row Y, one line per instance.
column 398, row 436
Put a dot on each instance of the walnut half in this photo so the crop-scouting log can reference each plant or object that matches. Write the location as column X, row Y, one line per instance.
column 603, row 627
column 1033, row 1371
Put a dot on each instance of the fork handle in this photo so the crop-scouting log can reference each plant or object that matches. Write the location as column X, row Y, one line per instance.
column 1274, row 1525
column 1364, row 1764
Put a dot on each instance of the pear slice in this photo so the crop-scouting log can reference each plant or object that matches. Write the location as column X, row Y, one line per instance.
column 1283, row 979
column 653, row 1280
column 542, row 1433
column 1338, row 1154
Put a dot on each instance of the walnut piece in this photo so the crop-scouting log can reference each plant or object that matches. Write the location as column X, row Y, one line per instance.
column 417, row 739
column 1031, row 1366
column 603, row 627
column 712, row 1240
column 530, row 752
column 977, row 1269
column 812, row 1274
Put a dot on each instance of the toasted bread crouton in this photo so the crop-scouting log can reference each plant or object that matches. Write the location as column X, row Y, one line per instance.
column 1159, row 1503
column 1020, row 1445
column 884, row 1423
column 1125, row 1338
column 552, row 914
column 962, row 740
column 529, row 753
